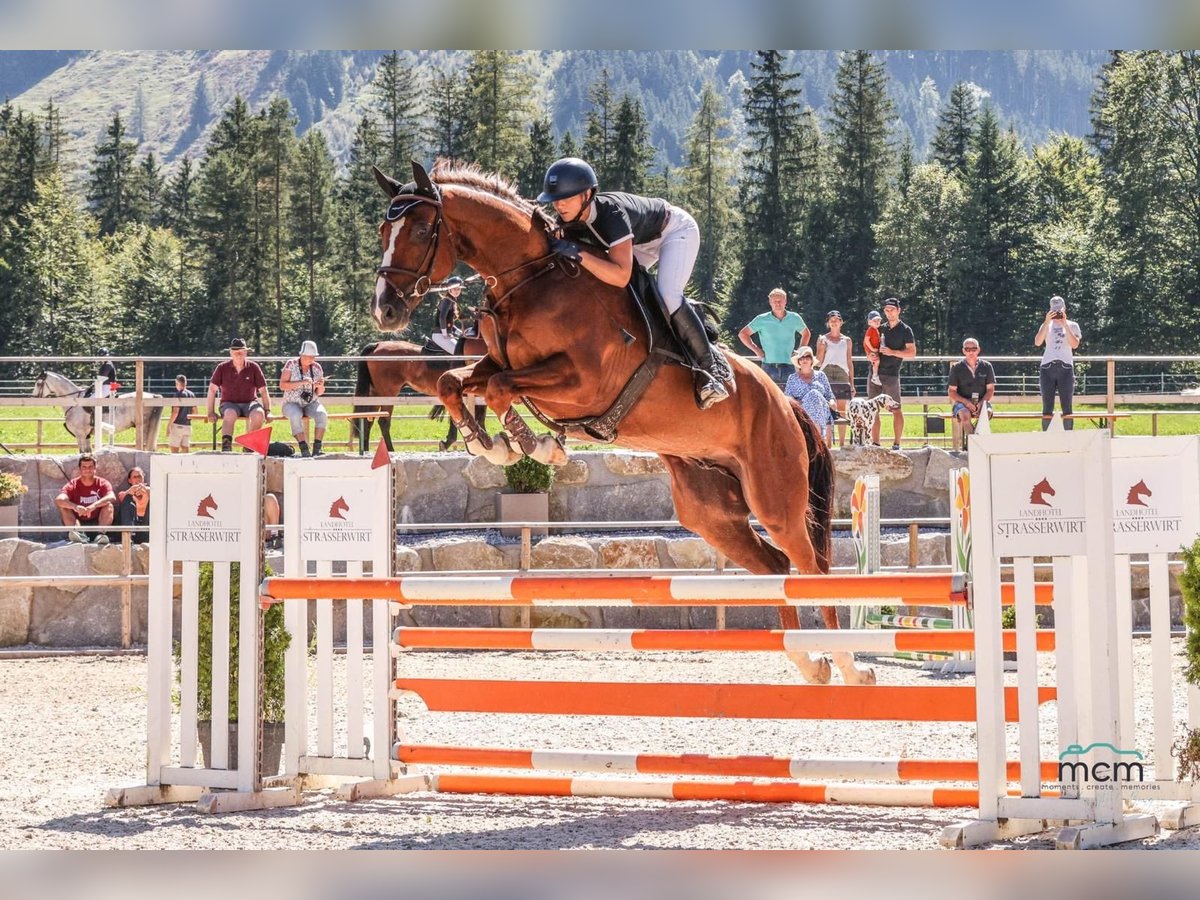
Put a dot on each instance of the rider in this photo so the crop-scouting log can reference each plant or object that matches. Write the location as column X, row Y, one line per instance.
column 107, row 373
column 446, row 335
column 615, row 228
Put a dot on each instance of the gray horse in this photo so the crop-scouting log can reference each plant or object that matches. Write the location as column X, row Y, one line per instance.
column 79, row 419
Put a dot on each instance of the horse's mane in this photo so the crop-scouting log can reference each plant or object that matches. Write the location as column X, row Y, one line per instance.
column 449, row 171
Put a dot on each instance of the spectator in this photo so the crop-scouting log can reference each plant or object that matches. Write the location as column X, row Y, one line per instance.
column 448, row 332
column 86, row 501
column 272, row 519
column 302, row 381
column 243, row 393
column 897, row 344
column 1056, row 375
column 133, row 505
column 835, row 358
column 871, row 342
column 972, row 385
column 179, row 431
column 811, row 388
column 107, row 373
column 777, row 331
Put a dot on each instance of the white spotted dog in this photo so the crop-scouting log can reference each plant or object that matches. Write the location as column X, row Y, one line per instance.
column 862, row 413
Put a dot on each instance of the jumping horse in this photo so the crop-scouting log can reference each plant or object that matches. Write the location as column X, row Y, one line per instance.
column 567, row 345
column 79, row 420
column 392, row 368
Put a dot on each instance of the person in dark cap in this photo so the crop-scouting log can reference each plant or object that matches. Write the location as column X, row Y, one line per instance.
column 1056, row 374
column 244, row 394
column 447, row 333
column 107, row 373
column 835, row 357
column 897, row 343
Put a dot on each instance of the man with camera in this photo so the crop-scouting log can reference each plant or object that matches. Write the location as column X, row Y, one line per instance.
column 303, row 382
column 1056, row 375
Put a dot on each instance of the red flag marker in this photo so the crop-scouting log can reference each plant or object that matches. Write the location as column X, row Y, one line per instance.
column 382, row 457
column 256, row 440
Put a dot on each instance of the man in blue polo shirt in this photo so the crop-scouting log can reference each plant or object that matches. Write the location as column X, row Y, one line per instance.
column 777, row 331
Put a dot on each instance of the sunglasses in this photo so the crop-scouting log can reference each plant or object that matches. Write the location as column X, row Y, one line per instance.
column 969, row 349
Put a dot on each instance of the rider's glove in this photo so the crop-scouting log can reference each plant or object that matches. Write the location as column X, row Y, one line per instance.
column 566, row 249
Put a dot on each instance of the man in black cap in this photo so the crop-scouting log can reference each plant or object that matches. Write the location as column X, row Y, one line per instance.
column 447, row 332
column 243, row 390
column 897, row 343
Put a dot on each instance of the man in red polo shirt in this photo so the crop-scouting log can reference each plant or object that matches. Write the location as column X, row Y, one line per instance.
column 244, row 393
column 87, row 500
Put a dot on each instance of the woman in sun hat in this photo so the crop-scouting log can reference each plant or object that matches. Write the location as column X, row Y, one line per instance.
column 811, row 388
column 302, row 381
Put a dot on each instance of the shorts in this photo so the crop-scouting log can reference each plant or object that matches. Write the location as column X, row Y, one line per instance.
column 958, row 405
column 242, row 409
column 841, row 390
column 179, row 435
column 890, row 386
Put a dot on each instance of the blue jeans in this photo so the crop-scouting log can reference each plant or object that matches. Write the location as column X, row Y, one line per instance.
column 1057, row 378
column 778, row 372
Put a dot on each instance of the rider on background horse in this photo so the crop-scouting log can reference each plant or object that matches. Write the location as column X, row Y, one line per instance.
column 605, row 232
column 447, row 333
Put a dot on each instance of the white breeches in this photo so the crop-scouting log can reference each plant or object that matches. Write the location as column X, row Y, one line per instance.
column 675, row 251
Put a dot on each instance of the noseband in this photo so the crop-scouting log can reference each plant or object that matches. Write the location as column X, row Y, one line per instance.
column 401, row 204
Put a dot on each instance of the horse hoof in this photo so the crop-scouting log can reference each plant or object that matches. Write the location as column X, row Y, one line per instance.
column 443, row 446
column 814, row 671
column 549, row 451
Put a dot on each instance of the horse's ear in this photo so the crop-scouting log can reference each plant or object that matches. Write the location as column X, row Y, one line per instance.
column 421, row 177
column 390, row 186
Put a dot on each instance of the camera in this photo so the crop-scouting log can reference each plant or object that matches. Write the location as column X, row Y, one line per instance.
column 306, row 397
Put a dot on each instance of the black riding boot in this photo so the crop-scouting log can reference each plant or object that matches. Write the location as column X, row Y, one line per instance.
column 690, row 331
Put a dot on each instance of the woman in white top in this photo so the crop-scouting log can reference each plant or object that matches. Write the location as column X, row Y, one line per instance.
column 1056, row 374
column 835, row 359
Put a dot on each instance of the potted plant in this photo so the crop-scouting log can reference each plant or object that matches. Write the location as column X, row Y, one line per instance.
column 1187, row 748
column 275, row 643
column 527, row 497
column 11, row 491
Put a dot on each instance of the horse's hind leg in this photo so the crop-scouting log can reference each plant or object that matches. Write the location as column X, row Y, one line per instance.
column 710, row 502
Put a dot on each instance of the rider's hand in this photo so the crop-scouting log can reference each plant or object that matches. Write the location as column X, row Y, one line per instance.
column 566, row 249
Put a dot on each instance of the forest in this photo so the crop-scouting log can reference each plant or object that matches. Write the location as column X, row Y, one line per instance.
column 271, row 236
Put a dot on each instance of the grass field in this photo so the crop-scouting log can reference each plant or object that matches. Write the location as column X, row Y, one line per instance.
column 21, row 436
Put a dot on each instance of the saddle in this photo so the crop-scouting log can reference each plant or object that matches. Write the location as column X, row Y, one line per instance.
column 643, row 288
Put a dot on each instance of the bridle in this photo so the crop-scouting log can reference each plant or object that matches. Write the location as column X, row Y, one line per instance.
column 400, row 205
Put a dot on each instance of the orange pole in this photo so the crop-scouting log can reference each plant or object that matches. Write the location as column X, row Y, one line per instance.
column 708, row 701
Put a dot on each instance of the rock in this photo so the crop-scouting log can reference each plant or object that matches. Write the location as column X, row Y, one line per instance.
column 575, row 471
column 467, row 555
column 69, row 560
column 691, row 553
column 15, row 611
column 625, row 463
column 563, row 553
column 87, row 617
column 629, row 553
column 937, row 469
column 483, row 475
column 406, row 559
column 889, row 465
column 618, row 502
column 107, row 560
column 399, row 478
column 429, row 470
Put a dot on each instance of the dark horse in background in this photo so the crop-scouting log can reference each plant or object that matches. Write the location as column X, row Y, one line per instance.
column 566, row 344
column 392, row 368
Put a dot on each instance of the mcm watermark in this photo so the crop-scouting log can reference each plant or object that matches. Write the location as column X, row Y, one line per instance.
column 1125, row 768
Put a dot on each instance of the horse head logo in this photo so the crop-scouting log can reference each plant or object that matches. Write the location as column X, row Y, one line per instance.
column 1040, row 492
column 206, row 507
column 1137, row 492
column 338, row 507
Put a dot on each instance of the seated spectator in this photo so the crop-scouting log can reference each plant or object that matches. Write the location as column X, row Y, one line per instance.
column 86, row 501
column 972, row 385
column 811, row 388
column 272, row 520
column 243, row 394
column 133, row 505
column 303, row 382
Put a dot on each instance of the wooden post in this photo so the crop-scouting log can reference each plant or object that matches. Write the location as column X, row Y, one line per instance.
column 126, row 592
column 142, row 440
column 720, row 567
column 526, row 562
column 1111, row 365
column 914, row 545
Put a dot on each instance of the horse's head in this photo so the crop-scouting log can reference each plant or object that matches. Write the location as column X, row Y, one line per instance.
column 1040, row 492
column 40, row 388
column 206, row 507
column 414, row 254
column 1137, row 492
column 338, row 507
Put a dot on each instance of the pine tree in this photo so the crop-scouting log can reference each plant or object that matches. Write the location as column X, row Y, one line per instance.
column 956, row 129
column 708, row 193
column 861, row 117
column 146, row 185
column 275, row 147
column 498, row 89
column 396, row 101
column 54, row 138
column 109, row 185
column 357, row 212
column 310, row 231
column 449, row 118
column 633, row 151
column 567, row 146
column 539, row 156
column 780, row 172
column 599, row 140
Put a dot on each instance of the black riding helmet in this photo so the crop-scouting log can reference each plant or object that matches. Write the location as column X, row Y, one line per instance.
column 566, row 178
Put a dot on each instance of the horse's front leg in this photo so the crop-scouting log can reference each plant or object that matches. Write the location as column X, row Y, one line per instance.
column 553, row 374
column 470, row 379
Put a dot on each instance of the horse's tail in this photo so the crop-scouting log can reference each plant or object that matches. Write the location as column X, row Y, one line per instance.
column 438, row 412
column 363, row 386
column 820, row 488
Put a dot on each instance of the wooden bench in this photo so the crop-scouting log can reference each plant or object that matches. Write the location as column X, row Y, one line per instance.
column 1100, row 419
column 276, row 417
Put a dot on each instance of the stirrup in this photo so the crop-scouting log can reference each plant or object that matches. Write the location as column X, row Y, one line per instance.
column 720, row 369
column 709, row 391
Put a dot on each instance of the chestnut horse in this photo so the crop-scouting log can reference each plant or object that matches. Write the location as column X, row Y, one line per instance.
column 566, row 344
column 392, row 369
